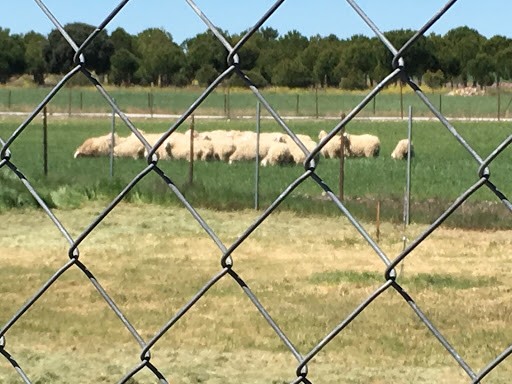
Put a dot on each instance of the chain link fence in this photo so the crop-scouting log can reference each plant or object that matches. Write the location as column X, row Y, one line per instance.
column 227, row 270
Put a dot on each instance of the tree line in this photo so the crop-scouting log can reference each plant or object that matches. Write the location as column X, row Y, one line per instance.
column 462, row 56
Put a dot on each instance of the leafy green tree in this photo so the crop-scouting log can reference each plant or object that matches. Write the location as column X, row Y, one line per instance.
column 325, row 66
column 206, row 75
column 59, row 54
column 160, row 58
column 266, row 40
column 321, row 57
column 292, row 73
column 353, row 79
column 205, row 50
column 310, row 55
column 494, row 48
column 417, row 58
column 254, row 76
column 12, row 55
column 482, row 69
column 290, row 45
column 123, row 66
column 269, row 34
column 249, row 52
column 434, row 79
column 122, row 40
column 465, row 43
column 504, row 63
column 445, row 59
column 358, row 53
column 34, row 56
column 382, row 60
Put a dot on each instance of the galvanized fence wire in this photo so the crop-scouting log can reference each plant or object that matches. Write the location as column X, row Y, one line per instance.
column 227, row 267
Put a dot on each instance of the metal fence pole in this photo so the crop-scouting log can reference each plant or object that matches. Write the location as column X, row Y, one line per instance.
column 70, row 99
column 401, row 100
column 408, row 171
column 257, row 162
column 316, row 102
column 341, row 182
column 191, row 155
column 499, row 100
column 112, row 142
column 45, row 142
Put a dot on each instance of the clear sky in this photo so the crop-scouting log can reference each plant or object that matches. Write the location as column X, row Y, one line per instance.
column 310, row 17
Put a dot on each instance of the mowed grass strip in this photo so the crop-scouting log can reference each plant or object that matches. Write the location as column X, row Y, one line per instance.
column 310, row 273
column 232, row 102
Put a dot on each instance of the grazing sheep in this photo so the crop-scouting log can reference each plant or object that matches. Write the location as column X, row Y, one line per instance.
column 132, row 147
column 222, row 142
column 332, row 149
column 162, row 152
column 401, row 150
column 97, row 146
column 178, row 147
column 297, row 154
column 361, row 145
column 278, row 154
column 246, row 145
column 129, row 146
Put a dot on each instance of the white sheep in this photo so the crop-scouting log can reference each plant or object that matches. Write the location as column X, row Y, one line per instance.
column 401, row 150
column 246, row 145
column 331, row 149
column 97, row 146
column 178, row 147
column 278, row 154
column 222, row 142
column 297, row 154
column 130, row 146
column 152, row 138
column 361, row 145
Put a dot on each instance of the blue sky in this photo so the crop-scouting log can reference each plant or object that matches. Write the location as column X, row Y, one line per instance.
column 310, row 17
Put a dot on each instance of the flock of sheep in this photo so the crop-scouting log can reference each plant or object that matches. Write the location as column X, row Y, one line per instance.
column 231, row 146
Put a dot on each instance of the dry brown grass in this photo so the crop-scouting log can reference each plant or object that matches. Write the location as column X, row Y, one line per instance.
column 309, row 272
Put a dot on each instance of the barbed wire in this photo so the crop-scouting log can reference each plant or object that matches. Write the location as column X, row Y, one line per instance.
column 390, row 280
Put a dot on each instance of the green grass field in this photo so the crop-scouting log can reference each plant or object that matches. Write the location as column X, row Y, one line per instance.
column 306, row 264
column 441, row 171
column 241, row 102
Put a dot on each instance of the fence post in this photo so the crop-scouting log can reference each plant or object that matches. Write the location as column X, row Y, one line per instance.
column 70, row 96
column 112, row 142
column 45, row 142
column 499, row 100
column 228, row 114
column 297, row 106
column 9, row 99
column 408, row 171
column 191, row 156
column 374, row 102
column 341, row 179
column 401, row 100
column 81, row 101
column 377, row 222
column 150, row 103
column 257, row 165
column 316, row 101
